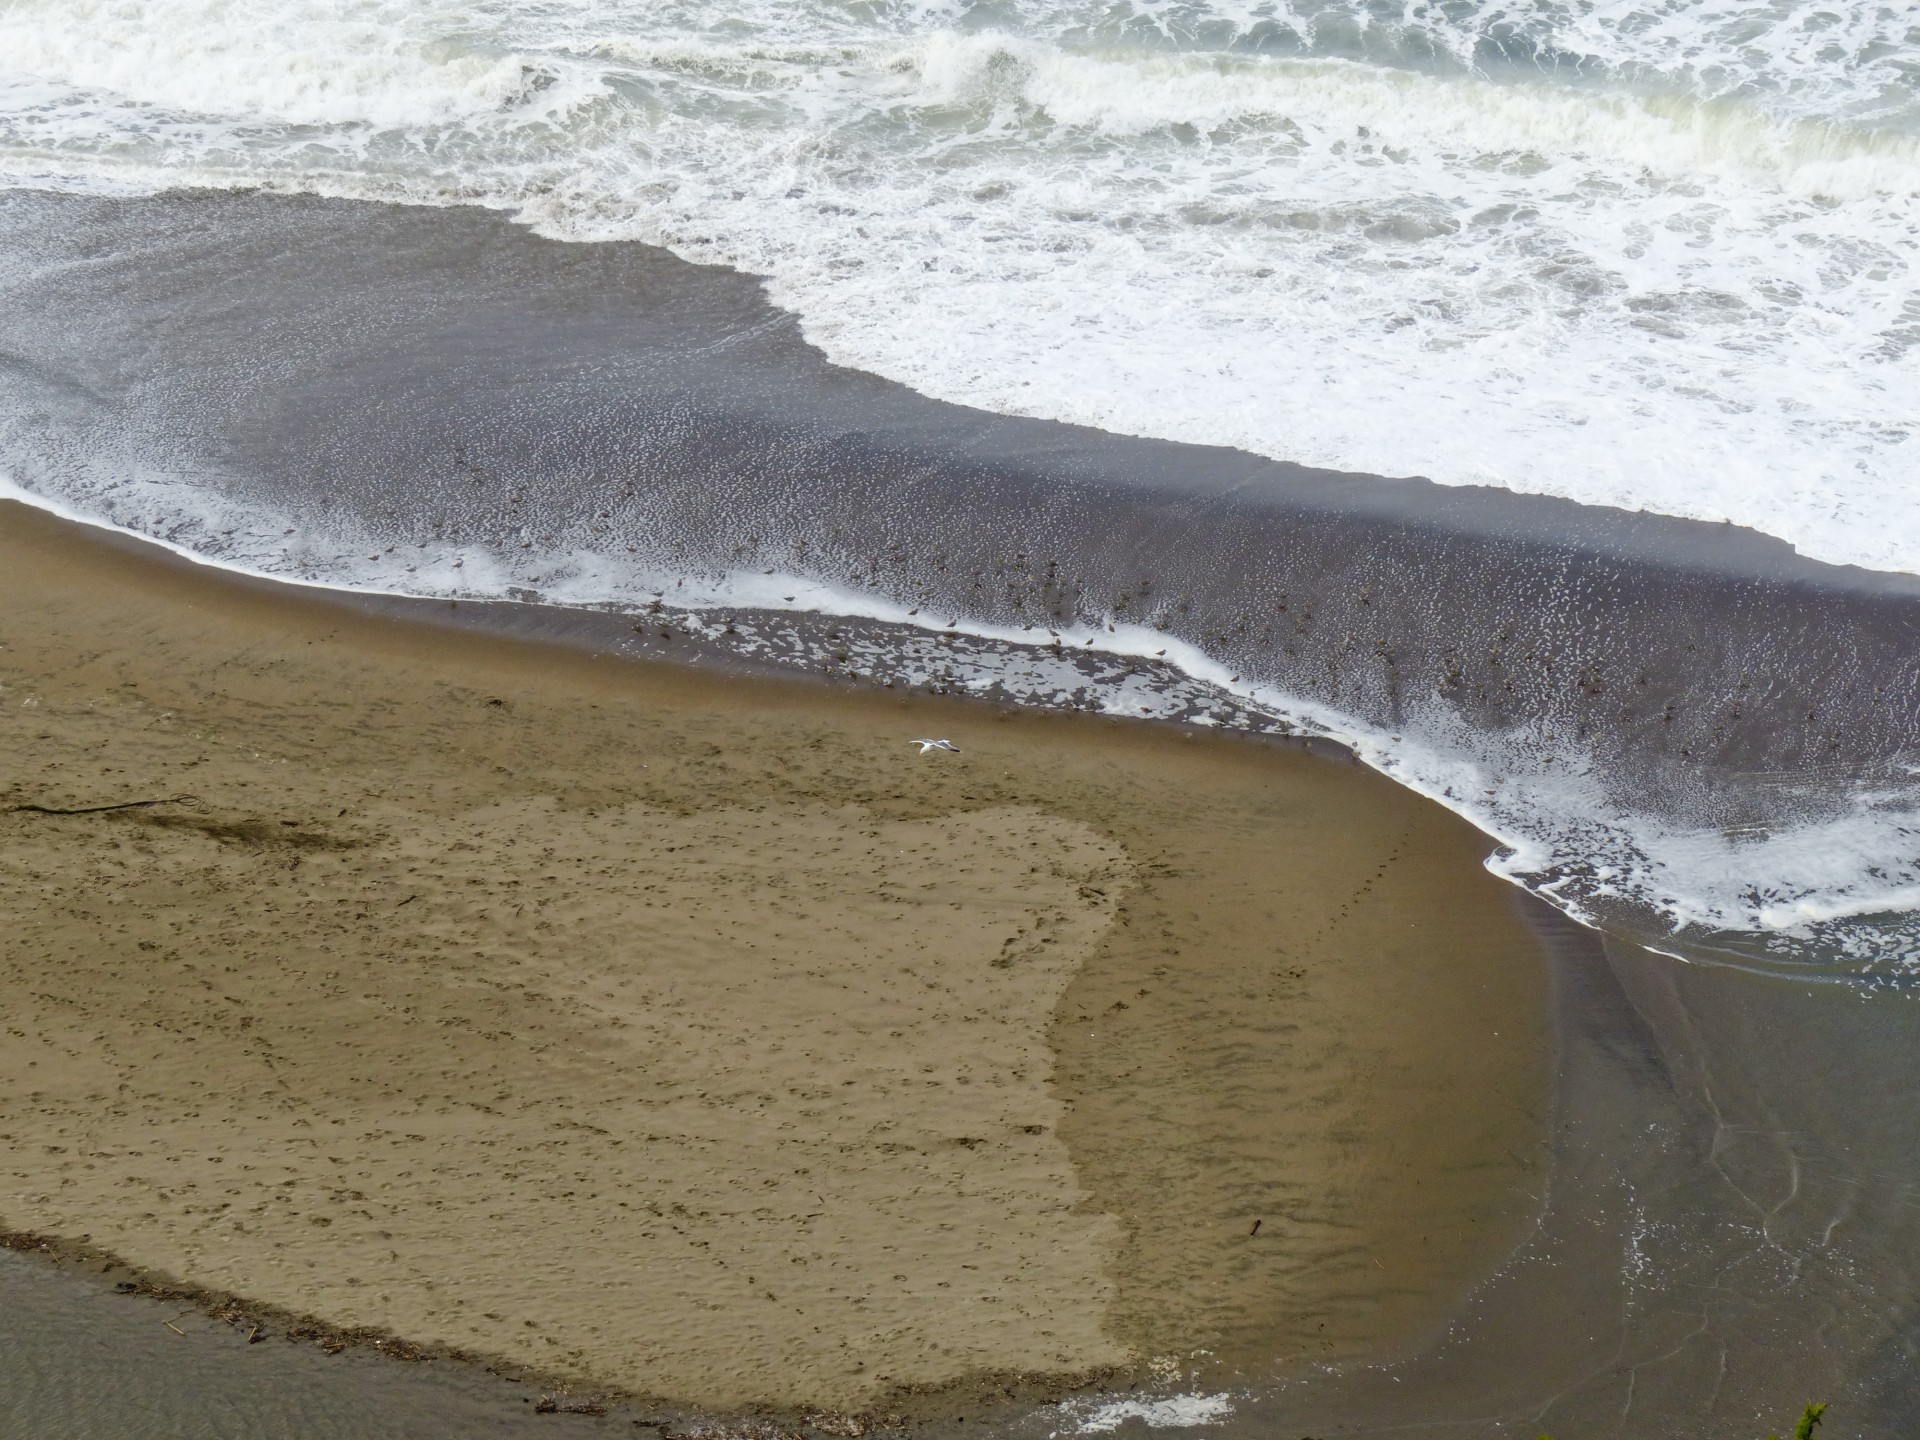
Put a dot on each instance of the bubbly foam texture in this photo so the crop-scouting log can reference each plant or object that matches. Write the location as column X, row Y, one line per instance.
column 1659, row 258
column 1173, row 1412
column 315, row 63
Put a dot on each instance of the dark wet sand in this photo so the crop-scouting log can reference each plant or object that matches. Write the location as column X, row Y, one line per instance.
column 662, row 1033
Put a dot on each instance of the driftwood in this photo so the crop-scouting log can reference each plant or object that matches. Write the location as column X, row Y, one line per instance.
column 567, row 1405
column 102, row 809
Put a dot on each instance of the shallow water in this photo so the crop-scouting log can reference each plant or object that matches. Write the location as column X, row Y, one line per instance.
column 1728, row 1234
column 78, row 1360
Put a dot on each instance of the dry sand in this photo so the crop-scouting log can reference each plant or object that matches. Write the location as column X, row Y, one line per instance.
column 696, row 1037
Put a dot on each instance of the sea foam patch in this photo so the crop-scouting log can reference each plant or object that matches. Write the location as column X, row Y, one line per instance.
column 1174, row 1412
column 1657, row 259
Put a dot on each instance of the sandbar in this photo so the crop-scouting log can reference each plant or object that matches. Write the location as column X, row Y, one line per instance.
column 693, row 1036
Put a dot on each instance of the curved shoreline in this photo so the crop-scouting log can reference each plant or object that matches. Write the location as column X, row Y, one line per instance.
column 1245, row 1037
column 1708, row 1127
column 248, row 1321
column 588, row 423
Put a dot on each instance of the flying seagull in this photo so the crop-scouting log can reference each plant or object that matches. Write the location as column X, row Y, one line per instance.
column 926, row 745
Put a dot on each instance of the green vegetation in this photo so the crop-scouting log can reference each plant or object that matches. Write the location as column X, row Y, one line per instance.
column 1809, row 1419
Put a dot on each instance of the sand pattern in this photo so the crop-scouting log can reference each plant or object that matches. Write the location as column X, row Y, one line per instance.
column 700, row 1039
column 771, row 1073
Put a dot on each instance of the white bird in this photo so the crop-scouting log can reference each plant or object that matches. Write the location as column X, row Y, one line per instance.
column 926, row 745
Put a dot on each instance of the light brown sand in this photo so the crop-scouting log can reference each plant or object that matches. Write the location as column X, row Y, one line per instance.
column 696, row 1036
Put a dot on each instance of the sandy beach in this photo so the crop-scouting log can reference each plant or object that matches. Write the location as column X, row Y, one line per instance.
column 496, row 501
column 695, row 1037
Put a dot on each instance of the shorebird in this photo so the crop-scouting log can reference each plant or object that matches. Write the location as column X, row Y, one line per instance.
column 926, row 745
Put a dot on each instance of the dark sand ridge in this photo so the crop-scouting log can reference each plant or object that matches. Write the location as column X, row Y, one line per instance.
column 693, row 1036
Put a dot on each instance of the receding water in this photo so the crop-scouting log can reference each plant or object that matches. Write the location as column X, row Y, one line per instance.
column 1655, row 256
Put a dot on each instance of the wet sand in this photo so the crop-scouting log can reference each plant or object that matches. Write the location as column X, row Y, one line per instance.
column 693, row 1037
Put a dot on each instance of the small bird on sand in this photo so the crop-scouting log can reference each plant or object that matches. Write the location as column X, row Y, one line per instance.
column 926, row 745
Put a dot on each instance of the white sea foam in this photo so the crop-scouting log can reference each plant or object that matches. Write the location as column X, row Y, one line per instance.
column 1174, row 1412
column 1660, row 258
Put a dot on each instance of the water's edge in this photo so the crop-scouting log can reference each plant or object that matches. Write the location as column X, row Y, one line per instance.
column 1682, row 729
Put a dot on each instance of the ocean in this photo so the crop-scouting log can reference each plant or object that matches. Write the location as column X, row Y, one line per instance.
column 1652, row 257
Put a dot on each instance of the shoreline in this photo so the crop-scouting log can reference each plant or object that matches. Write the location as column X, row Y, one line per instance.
column 1136, row 1113
column 255, row 1322
column 669, row 425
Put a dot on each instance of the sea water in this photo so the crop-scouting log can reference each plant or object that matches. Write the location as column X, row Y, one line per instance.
column 1656, row 256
